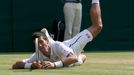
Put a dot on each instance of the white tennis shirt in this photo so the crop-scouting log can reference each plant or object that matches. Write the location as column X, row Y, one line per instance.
column 59, row 50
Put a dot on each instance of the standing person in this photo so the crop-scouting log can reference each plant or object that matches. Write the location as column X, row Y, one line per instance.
column 73, row 15
column 55, row 54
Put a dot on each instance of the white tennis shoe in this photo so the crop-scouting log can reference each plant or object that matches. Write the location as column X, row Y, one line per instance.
column 44, row 30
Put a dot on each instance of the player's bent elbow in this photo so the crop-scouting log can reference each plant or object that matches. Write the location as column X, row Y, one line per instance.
column 75, row 59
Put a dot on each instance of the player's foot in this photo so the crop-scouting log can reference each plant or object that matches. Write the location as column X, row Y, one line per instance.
column 44, row 30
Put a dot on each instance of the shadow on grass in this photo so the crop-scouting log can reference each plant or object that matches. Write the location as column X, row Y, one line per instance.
column 21, row 70
column 3, row 53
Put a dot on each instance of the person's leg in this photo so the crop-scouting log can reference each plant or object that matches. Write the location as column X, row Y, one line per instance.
column 95, row 14
column 83, row 57
column 78, row 42
column 77, row 19
column 69, row 17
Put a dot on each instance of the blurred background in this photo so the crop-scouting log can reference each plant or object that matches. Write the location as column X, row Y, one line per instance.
column 20, row 18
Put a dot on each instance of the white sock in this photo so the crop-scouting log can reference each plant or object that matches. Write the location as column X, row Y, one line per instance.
column 95, row 1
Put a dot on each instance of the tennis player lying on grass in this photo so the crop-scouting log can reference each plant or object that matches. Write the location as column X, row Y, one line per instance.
column 54, row 54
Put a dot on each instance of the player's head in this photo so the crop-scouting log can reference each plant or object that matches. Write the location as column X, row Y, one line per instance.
column 39, row 35
column 43, row 43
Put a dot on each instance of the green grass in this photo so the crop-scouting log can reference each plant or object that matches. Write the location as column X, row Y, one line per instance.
column 97, row 63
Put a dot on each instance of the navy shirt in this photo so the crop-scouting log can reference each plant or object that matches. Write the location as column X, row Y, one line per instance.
column 71, row 1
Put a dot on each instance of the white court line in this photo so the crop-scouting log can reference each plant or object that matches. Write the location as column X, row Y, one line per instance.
column 132, row 68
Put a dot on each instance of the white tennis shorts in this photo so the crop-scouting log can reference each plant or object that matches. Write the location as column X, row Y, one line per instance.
column 78, row 42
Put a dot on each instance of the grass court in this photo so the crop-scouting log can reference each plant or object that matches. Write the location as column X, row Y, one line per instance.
column 97, row 63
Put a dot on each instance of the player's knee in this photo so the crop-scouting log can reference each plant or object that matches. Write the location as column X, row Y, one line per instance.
column 84, row 58
column 75, row 59
column 99, row 27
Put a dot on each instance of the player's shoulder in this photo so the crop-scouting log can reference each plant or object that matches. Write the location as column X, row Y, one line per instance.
column 57, row 43
column 57, row 46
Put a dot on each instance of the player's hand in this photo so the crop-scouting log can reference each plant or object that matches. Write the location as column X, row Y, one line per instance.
column 48, row 65
column 36, row 65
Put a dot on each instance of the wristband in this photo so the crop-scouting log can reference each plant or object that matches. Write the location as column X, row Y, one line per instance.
column 58, row 64
column 27, row 65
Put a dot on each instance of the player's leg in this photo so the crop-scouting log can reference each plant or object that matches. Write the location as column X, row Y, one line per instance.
column 80, row 40
column 95, row 14
column 83, row 57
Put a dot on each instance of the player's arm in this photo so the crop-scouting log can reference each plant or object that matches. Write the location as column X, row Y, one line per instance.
column 70, row 59
column 67, row 56
column 23, row 65
column 18, row 65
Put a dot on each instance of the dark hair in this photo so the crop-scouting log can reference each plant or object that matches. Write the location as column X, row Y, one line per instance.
column 37, row 35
